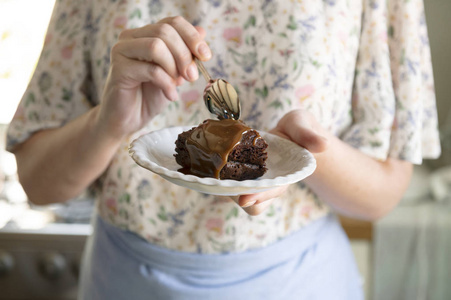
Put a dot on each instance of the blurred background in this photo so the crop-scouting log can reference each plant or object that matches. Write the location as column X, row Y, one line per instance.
column 403, row 256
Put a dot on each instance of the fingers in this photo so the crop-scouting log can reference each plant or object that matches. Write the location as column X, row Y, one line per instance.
column 251, row 199
column 255, row 204
column 151, row 50
column 182, row 39
column 302, row 128
column 201, row 31
column 190, row 35
column 138, row 72
column 258, row 208
column 161, row 54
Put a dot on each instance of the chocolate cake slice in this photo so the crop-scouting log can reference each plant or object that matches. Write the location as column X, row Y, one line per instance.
column 223, row 149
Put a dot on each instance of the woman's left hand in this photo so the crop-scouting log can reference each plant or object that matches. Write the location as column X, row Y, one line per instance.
column 300, row 127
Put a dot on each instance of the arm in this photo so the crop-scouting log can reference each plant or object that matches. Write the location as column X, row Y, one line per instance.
column 351, row 182
column 357, row 185
column 55, row 165
column 147, row 64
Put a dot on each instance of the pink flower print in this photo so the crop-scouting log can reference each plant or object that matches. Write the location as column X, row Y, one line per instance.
column 383, row 36
column 260, row 236
column 304, row 92
column 67, row 51
column 215, row 224
column 233, row 35
column 343, row 37
column 120, row 22
column 190, row 97
column 111, row 204
column 305, row 212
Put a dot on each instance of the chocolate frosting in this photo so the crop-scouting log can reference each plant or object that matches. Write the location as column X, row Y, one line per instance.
column 210, row 143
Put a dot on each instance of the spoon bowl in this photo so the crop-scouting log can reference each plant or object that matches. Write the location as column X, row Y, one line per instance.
column 220, row 97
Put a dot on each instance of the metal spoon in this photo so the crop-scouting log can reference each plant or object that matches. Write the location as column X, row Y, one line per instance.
column 220, row 97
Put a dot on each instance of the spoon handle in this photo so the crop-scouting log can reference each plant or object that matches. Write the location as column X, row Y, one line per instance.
column 202, row 69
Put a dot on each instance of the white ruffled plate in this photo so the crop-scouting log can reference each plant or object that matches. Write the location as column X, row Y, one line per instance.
column 287, row 163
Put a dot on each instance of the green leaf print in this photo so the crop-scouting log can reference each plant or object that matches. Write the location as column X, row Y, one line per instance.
column 233, row 213
column 247, row 40
column 123, row 213
column 221, row 246
column 403, row 57
column 152, row 221
column 292, row 24
column 262, row 92
column 67, row 94
column 162, row 215
column 264, row 62
column 315, row 63
column 45, row 82
column 136, row 13
column 277, row 104
column 172, row 104
column 33, row 116
column 250, row 22
column 230, row 230
column 283, row 34
column 391, row 31
column 125, row 198
column 373, row 131
column 30, row 99
column 375, row 144
column 271, row 211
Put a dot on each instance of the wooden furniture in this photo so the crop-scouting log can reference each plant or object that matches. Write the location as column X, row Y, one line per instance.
column 357, row 229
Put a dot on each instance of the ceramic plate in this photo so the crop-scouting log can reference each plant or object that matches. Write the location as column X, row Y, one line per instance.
column 287, row 163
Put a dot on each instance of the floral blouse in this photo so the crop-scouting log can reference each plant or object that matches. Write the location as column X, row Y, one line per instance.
column 362, row 67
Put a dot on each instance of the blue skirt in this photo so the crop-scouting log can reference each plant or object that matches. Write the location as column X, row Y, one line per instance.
column 316, row 262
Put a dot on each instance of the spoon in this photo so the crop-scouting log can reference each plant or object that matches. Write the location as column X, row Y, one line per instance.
column 220, row 97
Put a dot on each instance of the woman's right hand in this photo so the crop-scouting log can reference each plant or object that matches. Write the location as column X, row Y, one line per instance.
column 147, row 64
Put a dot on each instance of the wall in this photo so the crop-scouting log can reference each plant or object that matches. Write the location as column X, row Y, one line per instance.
column 439, row 27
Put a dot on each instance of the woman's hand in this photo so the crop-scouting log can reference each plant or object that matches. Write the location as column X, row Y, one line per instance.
column 300, row 127
column 147, row 64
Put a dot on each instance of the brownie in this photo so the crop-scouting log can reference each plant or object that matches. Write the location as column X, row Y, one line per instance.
column 224, row 149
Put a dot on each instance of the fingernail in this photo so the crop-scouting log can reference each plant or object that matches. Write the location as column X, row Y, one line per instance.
column 250, row 203
column 192, row 73
column 204, row 51
column 173, row 95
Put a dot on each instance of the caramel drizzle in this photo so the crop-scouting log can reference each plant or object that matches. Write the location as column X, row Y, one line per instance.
column 210, row 145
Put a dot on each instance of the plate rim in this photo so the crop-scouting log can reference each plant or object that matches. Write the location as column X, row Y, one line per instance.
column 259, row 183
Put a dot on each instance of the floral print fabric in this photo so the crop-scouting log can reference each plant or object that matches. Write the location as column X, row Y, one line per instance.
column 362, row 67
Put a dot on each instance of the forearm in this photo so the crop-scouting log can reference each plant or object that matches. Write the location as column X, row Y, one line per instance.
column 55, row 165
column 356, row 184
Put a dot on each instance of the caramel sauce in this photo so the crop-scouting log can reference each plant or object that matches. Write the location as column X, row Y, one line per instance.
column 210, row 144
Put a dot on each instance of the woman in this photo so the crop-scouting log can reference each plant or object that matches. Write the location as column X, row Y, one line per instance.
column 350, row 81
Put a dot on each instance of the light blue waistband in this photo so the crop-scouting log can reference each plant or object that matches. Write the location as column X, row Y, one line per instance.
column 228, row 264
column 313, row 263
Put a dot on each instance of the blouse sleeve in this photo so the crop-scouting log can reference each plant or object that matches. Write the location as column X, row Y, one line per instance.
column 56, row 92
column 394, row 106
